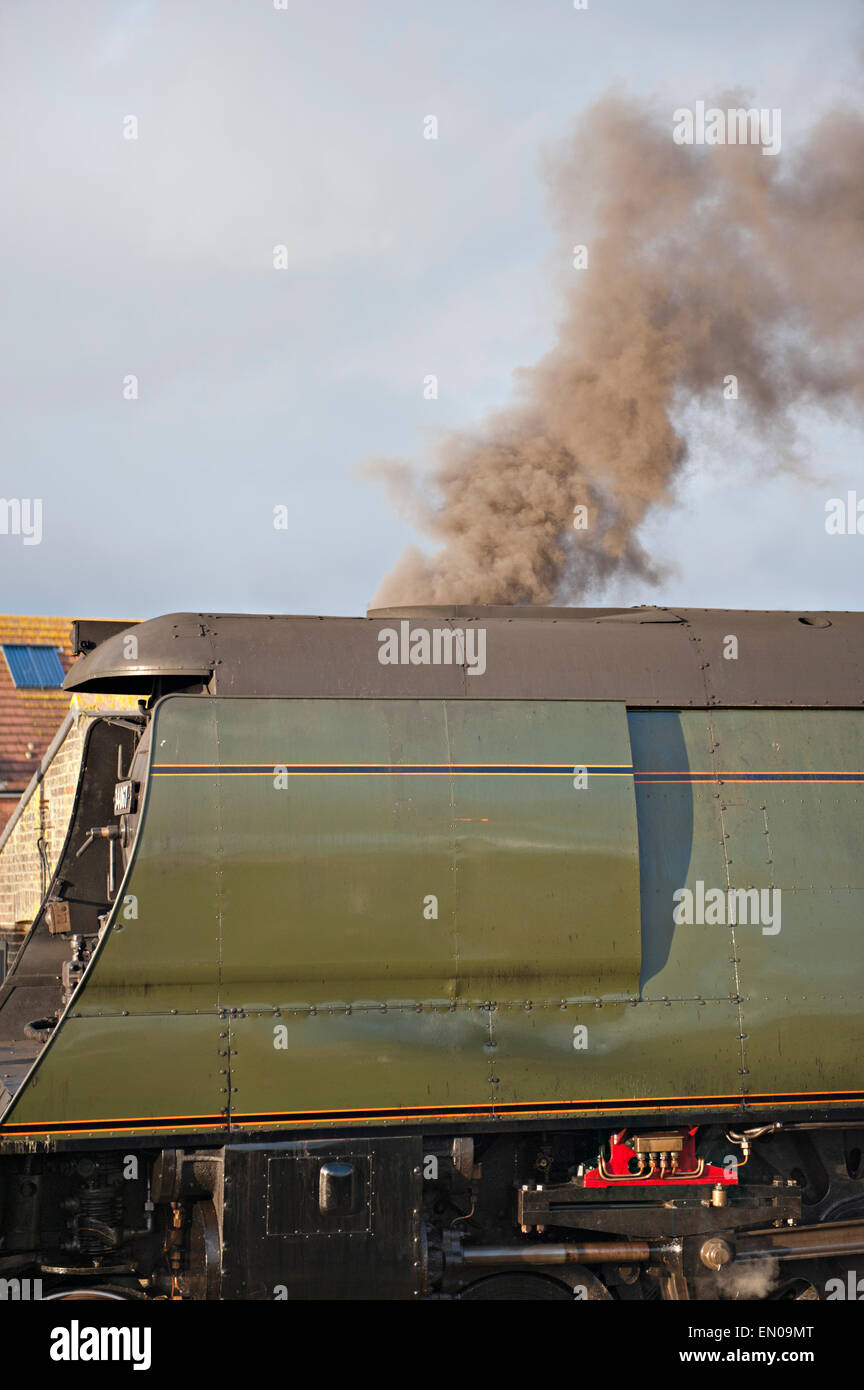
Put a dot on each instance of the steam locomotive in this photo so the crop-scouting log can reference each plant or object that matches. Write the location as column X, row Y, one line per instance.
column 450, row 953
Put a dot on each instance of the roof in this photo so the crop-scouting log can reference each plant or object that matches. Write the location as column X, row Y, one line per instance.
column 29, row 718
column 643, row 656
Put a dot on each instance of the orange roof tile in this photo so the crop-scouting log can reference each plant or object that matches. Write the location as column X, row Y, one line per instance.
column 29, row 719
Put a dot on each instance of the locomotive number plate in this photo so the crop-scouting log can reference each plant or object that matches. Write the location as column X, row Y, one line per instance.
column 124, row 798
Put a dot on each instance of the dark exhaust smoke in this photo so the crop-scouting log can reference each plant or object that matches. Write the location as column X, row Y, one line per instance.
column 704, row 263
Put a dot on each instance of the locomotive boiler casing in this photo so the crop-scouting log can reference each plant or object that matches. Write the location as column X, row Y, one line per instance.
column 611, row 879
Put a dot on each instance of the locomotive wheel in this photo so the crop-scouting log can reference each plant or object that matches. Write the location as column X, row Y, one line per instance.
column 576, row 1283
column 816, row 1280
column 517, row 1287
column 90, row 1295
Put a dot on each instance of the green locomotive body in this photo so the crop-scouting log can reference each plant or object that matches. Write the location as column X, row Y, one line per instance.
column 392, row 943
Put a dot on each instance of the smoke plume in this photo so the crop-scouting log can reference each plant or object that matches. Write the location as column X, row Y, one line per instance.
column 703, row 262
column 752, row 1279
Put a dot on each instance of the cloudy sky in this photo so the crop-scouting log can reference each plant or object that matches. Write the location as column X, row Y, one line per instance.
column 258, row 388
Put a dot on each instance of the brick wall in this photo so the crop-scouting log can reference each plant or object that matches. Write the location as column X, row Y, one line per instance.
column 46, row 816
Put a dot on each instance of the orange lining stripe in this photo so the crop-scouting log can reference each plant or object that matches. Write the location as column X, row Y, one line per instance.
column 164, row 1121
column 494, row 1109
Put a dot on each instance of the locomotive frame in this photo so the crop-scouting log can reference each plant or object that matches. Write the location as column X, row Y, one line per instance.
column 326, row 1046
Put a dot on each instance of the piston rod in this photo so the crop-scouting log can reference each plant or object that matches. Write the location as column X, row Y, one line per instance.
column 596, row 1252
column 816, row 1242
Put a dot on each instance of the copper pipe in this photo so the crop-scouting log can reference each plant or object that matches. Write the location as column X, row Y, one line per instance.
column 639, row 1176
column 692, row 1172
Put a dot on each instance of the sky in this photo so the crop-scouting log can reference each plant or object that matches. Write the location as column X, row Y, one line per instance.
column 263, row 388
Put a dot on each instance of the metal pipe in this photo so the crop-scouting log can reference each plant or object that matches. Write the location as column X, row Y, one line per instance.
column 596, row 1252
column 44, row 869
column 825, row 1124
